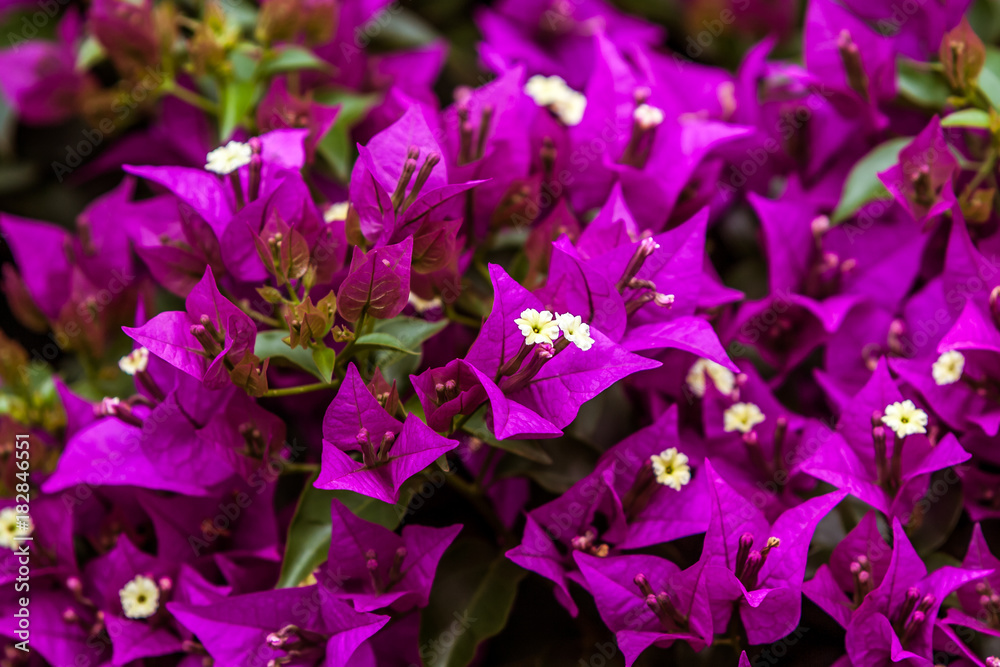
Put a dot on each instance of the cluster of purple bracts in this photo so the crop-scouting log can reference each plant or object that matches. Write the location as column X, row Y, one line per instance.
column 473, row 297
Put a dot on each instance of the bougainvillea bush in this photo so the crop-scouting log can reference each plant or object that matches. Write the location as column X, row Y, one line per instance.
column 547, row 333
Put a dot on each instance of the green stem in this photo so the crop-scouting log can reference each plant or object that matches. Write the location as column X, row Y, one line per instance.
column 303, row 389
column 291, row 468
column 191, row 98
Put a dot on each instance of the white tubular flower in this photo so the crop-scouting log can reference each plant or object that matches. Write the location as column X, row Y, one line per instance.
column 647, row 116
column 948, row 368
column 671, row 468
column 575, row 330
column 537, row 327
column 135, row 361
column 336, row 211
column 12, row 526
column 722, row 377
column 140, row 597
column 227, row 159
column 423, row 305
column 905, row 418
column 742, row 417
column 563, row 101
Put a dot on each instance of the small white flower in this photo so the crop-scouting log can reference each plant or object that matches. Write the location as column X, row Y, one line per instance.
column 575, row 330
column 722, row 377
column 537, row 327
column 671, row 468
column 948, row 367
column 647, row 116
column 227, row 159
column 742, row 417
column 13, row 525
column 905, row 418
column 135, row 361
column 336, row 211
column 140, row 597
column 563, row 101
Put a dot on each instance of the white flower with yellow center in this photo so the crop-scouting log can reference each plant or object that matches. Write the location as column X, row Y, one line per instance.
column 671, row 468
column 575, row 330
column 140, row 597
column 336, row 211
column 905, row 418
column 948, row 367
column 12, row 526
column 554, row 93
column 647, row 117
column 227, row 159
column 135, row 361
column 423, row 305
column 722, row 377
column 537, row 327
column 742, row 417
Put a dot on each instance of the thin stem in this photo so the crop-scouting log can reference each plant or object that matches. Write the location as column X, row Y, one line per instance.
column 303, row 389
column 490, row 455
column 192, row 98
column 291, row 468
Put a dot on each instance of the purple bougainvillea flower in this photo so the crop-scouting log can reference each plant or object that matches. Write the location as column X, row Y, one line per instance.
column 391, row 452
column 40, row 79
column 238, row 519
column 921, row 182
column 552, row 385
column 46, row 277
column 650, row 601
column 978, row 598
column 916, row 34
column 756, row 443
column 389, row 207
column 374, row 568
column 186, row 439
column 131, row 588
column 857, row 566
column 64, row 642
column 279, row 109
column 871, row 461
column 657, row 506
column 305, row 623
column 848, row 55
column 205, row 341
column 765, row 562
column 895, row 621
column 446, row 392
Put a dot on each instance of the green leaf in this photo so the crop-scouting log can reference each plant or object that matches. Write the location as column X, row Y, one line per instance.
column 291, row 59
column 989, row 77
column 270, row 344
column 381, row 341
column 967, row 118
column 324, row 359
column 308, row 536
column 336, row 146
column 237, row 100
column 863, row 184
column 923, row 87
column 529, row 449
column 410, row 331
column 470, row 602
column 309, row 533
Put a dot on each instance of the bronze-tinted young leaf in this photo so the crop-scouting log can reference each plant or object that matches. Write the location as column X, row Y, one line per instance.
column 378, row 283
column 963, row 55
